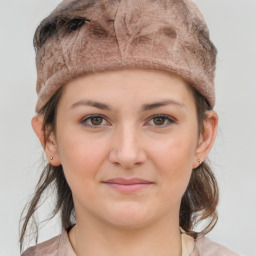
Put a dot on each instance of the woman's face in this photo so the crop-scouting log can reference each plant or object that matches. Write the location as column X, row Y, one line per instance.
column 132, row 124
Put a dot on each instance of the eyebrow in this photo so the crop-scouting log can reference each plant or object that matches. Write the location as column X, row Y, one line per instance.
column 145, row 107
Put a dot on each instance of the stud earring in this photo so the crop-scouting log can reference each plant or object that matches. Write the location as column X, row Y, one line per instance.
column 51, row 157
column 199, row 161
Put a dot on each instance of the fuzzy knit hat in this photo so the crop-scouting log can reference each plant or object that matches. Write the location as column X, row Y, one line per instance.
column 84, row 36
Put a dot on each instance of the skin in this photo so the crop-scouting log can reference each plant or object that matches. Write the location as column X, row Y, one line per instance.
column 127, row 142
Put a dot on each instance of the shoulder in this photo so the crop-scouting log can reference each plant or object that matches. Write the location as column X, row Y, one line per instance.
column 47, row 248
column 205, row 247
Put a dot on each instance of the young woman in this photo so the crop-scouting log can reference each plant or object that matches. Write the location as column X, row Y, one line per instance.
column 125, row 116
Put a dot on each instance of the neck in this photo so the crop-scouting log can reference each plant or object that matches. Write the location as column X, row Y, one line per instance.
column 91, row 238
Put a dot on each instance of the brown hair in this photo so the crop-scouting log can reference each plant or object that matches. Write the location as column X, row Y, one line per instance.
column 200, row 199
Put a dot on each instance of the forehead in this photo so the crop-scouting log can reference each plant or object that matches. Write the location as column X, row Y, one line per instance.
column 133, row 85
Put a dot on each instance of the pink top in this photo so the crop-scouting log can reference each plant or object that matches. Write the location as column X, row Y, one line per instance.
column 61, row 246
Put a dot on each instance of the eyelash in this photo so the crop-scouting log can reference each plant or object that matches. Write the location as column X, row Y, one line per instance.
column 168, row 118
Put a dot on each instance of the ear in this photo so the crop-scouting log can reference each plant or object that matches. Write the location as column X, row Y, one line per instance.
column 49, row 144
column 206, row 139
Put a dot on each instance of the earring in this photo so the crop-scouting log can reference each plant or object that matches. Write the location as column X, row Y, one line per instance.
column 51, row 157
column 199, row 161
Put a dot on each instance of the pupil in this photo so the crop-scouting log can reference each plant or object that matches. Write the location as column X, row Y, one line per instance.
column 157, row 120
column 97, row 120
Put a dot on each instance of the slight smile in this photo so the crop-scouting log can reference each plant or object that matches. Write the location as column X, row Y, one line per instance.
column 128, row 185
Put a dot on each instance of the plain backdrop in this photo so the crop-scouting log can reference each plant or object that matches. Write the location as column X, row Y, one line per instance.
column 232, row 25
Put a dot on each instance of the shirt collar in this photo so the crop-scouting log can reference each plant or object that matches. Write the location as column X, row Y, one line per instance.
column 65, row 248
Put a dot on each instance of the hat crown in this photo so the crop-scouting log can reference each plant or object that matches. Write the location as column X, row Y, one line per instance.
column 94, row 36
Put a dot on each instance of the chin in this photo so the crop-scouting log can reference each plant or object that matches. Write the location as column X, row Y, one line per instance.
column 129, row 215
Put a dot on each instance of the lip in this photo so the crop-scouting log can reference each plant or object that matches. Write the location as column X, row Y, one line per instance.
column 128, row 185
column 132, row 181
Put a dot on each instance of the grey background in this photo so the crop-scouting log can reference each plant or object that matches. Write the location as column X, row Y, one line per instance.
column 232, row 26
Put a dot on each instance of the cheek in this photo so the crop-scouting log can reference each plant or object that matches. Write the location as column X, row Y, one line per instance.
column 174, row 158
column 81, row 157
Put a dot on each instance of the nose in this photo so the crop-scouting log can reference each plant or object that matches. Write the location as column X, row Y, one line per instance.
column 127, row 150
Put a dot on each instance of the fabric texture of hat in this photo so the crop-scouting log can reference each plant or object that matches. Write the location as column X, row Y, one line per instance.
column 168, row 35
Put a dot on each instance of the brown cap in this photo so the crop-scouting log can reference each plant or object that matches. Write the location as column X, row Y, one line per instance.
column 169, row 35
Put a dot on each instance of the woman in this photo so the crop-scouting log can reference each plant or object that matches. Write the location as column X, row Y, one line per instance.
column 125, row 116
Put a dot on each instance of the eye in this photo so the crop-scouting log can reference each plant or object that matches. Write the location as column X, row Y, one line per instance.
column 94, row 121
column 162, row 120
column 97, row 121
